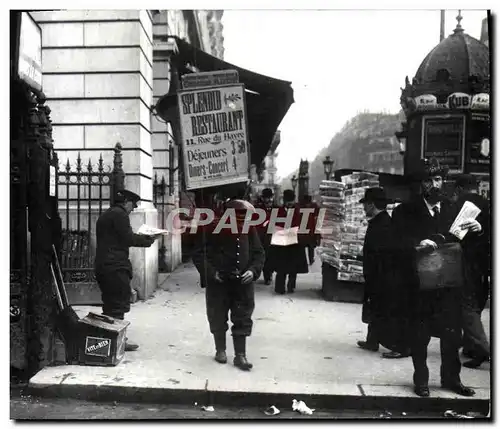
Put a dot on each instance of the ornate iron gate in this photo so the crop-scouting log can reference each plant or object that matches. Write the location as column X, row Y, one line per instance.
column 160, row 188
column 34, row 223
column 83, row 194
column 159, row 191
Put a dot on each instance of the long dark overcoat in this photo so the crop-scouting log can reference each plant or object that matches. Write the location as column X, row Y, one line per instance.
column 477, row 247
column 413, row 223
column 378, row 269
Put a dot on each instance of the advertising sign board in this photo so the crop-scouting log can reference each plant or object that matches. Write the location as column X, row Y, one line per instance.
column 214, row 135
column 443, row 139
column 478, row 144
column 30, row 52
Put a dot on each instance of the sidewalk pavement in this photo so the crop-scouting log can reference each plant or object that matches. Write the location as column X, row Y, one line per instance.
column 302, row 347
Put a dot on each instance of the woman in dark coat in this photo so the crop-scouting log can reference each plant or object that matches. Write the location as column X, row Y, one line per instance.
column 288, row 260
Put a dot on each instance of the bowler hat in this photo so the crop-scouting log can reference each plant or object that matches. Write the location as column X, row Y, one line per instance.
column 125, row 194
column 430, row 168
column 374, row 194
column 267, row 193
column 466, row 181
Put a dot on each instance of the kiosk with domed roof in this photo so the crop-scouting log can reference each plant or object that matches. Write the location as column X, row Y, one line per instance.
column 447, row 108
column 446, row 112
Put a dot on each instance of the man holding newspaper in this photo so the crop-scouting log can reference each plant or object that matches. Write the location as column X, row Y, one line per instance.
column 113, row 269
column 433, row 275
column 476, row 249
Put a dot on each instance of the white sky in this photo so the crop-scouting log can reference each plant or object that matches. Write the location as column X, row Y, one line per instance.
column 339, row 62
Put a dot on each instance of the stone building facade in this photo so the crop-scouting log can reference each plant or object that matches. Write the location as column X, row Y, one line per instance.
column 103, row 70
column 265, row 176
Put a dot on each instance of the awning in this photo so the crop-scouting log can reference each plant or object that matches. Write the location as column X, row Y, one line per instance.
column 268, row 99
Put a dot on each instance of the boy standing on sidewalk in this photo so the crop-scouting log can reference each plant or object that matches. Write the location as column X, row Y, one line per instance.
column 229, row 262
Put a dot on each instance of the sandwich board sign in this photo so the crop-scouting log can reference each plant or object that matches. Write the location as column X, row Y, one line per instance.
column 214, row 135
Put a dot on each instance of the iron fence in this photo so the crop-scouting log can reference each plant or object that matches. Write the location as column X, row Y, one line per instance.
column 83, row 193
column 159, row 192
column 160, row 189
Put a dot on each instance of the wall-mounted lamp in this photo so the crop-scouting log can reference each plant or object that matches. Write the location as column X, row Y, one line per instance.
column 401, row 136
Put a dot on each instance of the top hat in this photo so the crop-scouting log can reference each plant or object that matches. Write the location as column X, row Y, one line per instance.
column 430, row 168
column 374, row 194
column 267, row 193
column 288, row 195
column 125, row 194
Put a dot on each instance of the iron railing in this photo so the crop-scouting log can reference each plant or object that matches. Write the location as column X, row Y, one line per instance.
column 160, row 189
column 83, row 194
column 159, row 192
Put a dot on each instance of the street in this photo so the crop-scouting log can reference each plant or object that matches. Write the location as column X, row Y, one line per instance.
column 322, row 366
column 31, row 408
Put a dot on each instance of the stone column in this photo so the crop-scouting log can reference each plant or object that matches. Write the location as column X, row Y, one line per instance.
column 98, row 77
column 165, row 146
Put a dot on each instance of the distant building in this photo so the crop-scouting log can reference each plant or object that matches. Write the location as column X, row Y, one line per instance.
column 264, row 176
column 382, row 156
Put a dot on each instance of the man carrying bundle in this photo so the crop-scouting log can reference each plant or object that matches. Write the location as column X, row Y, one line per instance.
column 422, row 227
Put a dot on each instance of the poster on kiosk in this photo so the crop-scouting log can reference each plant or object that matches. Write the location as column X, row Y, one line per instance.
column 214, row 135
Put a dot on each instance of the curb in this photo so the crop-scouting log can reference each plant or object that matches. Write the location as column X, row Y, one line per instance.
column 100, row 393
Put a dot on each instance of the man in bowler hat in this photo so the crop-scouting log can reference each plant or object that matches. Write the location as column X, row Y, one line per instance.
column 419, row 226
column 112, row 265
column 229, row 262
column 378, row 269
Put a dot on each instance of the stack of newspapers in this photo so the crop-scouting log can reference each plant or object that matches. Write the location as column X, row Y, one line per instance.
column 344, row 224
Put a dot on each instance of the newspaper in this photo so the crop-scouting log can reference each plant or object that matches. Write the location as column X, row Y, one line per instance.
column 151, row 230
column 469, row 211
column 285, row 237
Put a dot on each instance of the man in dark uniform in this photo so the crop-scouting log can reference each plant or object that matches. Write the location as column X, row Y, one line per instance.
column 378, row 269
column 434, row 312
column 266, row 203
column 229, row 263
column 476, row 255
column 112, row 265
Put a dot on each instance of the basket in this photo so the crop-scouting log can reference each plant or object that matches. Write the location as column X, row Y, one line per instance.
column 443, row 268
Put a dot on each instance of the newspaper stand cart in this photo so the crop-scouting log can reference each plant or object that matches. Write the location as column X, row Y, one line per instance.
column 102, row 340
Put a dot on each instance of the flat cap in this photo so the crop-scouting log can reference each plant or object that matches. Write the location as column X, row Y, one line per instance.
column 125, row 194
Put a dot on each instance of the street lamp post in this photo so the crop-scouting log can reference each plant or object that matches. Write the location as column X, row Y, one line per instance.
column 402, row 137
column 328, row 165
column 294, row 182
